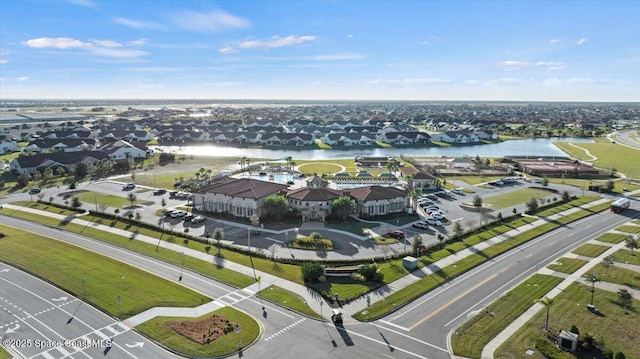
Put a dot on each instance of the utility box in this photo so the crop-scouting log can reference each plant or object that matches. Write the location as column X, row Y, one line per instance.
column 569, row 341
column 410, row 262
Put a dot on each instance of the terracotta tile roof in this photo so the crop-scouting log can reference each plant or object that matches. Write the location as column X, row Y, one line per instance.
column 373, row 193
column 314, row 194
column 243, row 188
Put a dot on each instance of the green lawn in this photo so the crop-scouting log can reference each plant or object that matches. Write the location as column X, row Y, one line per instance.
column 106, row 199
column 629, row 229
column 516, row 197
column 612, row 237
column 567, row 265
column 590, row 250
column 67, row 266
column 565, row 206
column 221, row 347
column 625, row 256
column 288, row 299
column 4, row 354
column 618, row 330
column 609, row 155
column 345, row 287
column 474, row 334
column 617, row 275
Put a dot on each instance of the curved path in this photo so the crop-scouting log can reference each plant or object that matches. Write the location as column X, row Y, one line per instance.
column 586, row 151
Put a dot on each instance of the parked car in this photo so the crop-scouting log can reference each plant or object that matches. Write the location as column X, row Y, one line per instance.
column 396, row 233
column 437, row 215
column 188, row 217
column 457, row 191
column 421, row 225
column 427, row 202
column 178, row 214
column 433, row 221
column 198, row 219
column 432, row 197
column 128, row 186
column 159, row 191
column 35, row 191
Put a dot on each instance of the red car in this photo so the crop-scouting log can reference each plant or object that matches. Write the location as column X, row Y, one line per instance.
column 396, row 233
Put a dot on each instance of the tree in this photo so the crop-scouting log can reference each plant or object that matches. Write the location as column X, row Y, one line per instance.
column 476, row 201
column 80, row 170
column 392, row 166
column 565, row 196
column 254, row 220
column 132, row 198
column 608, row 262
column 457, row 230
column 546, row 301
column 632, row 243
column 626, row 299
column 545, row 181
column 610, row 185
column 218, row 235
column 532, row 205
column 311, row 271
column 75, row 202
column 416, row 244
column 277, row 206
column 343, row 206
column 22, row 180
column 315, row 236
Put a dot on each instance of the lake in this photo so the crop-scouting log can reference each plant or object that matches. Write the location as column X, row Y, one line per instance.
column 538, row 147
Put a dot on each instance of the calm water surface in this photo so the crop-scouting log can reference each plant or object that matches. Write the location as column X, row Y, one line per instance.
column 529, row 147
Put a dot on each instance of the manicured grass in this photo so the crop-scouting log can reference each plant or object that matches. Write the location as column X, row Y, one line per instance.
column 4, row 354
column 106, row 199
column 158, row 176
column 474, row 180
column 158, row 330
column 567, row 265
column 515, row 197
column 345, row 287
column 206, row 268
column 590, row 250
column 610, row 155
column 629, row 229
column 625, row 256
column 288, row 299
column 382, row 240
column 614, row 238
column 617, row 275
column 319, row 168
column 469, row 339
column 565, row 206
column 306, row 243
column 105, row 279
column 618, row 330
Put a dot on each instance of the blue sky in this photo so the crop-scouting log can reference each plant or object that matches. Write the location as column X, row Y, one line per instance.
column 346, row 50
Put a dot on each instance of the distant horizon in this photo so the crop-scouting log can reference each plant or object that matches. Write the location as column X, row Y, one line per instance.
column 321, row 50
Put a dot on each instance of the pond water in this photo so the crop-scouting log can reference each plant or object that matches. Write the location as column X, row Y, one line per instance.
column 538, row 147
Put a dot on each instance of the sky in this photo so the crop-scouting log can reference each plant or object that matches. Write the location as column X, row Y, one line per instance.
column 320, row 50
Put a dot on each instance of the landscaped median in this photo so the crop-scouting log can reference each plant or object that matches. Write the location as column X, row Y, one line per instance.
column 400, row 298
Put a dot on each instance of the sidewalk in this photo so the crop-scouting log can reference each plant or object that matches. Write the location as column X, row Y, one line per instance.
column 489, row 350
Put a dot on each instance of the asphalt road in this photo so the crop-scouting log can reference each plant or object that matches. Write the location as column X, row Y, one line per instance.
column 38, row 320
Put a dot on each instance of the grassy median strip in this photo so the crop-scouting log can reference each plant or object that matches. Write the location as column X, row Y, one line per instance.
column 105, row 279
column 426, row 284
column 617, row 275
column 473, row 335
column 618, row 330
column 158, row 329
column 626, row 256
column 629, row 229
column 288, row 299
column 196, row 265
column 590, row 250
column 567, row 265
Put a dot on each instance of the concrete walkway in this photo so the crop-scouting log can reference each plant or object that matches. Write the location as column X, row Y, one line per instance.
column 489, row 350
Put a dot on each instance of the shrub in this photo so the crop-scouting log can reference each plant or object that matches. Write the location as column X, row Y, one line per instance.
column 311, row 272
column 371, row 273
column 574, row 329
column 550, row 350
column 322, row 279
column 358, row 277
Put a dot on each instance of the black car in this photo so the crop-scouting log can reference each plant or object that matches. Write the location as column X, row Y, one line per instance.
column 35, row 191
column 189, row 217
column 159, row 191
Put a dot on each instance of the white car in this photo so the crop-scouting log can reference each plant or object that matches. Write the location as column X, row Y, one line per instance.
column 129, row 186
column 433, row 221
column 421, row 225
column 457, row 191
column 178, row 213
column 438, row 216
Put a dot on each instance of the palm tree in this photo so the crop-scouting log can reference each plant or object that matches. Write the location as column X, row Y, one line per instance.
column 218, row 235
column 546, row 301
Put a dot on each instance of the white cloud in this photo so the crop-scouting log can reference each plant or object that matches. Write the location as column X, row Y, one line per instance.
column 276, row 41
column 4, row 61
column 227, row 50
column 410, row 82
column 56, row 43
column 425, row 43
column 582, row 41
column 85, row 3
column 139, row 42
column 23, row 78
column 106, row 48
column 551, row 65
column 582, row 81
column 350, row 36
column 338, row 57
column 554, row 41
column 471, row 82
column 106, row 43
column 510, row 65
column 507, row 81
column 212, row 21
column 137, row 24
column 225, row 83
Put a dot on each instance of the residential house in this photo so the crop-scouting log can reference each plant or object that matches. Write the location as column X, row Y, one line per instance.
column 42, row 161
column 122, row 150
column 374, row 201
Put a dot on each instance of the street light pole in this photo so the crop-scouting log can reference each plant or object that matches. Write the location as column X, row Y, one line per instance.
column 181, row 265
column 249, row 238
